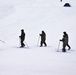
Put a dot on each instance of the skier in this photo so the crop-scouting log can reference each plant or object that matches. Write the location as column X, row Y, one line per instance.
column 67, row 40
column 22, row 38
column 43, row 38
column 64, row 40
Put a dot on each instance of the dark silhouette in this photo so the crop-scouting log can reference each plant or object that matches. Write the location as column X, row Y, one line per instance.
column 67, row 5
column 67, row 40
column 60, row 0
column 64, row 43
column 43, row 39
column 22, row 38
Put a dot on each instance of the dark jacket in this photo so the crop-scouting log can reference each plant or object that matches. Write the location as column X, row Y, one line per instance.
column 23, row 36
column 43, row 36
column 66, row 36
column 64, row 40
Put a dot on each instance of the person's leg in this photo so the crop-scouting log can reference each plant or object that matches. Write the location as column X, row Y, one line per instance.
column 22, row 44
column 64, row 50
column 45, row 43
column 68, row 46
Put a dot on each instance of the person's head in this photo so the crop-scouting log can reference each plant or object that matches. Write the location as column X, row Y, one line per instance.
column 22, row 30
column 42, row 31
column 64, row 32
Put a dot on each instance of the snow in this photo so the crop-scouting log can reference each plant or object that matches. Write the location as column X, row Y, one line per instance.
column 34, row 16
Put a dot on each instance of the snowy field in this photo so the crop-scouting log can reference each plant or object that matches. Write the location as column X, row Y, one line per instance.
column 34, row 16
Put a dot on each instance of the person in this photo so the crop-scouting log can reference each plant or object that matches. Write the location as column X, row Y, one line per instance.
column 43, row 39
column 22, row 38
column 67, row 40
column 64, row 40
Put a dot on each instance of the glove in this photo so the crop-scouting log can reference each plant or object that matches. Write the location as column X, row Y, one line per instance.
column 60, row 40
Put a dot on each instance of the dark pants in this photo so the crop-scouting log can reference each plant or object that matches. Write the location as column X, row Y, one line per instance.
column 22, row 44
column 64, row 46
column 68, row 46
column 43, row 42
column 64, row 50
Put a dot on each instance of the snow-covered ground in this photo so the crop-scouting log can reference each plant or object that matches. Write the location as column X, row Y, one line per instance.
column 34, row 16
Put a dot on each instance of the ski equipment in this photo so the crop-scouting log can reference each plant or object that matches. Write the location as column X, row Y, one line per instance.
column 58, row 47
column 2, row 41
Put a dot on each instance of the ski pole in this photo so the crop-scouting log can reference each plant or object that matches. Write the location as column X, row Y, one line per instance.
column 2, row 41
column 38, row 40
column 58, row 46
column 19, row 41
column 26, row 45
